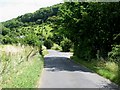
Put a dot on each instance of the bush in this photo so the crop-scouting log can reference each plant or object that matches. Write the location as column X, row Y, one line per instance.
column 57, row 38
column 48, row 43
column 31, row 39
column 114, row 55
column 56, row 47
column 7, row 40
column 66, row 44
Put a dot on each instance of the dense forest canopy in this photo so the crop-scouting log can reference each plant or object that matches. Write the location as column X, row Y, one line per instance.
column 91, row 27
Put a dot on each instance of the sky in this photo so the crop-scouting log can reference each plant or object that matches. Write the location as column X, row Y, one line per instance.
column 12, row 8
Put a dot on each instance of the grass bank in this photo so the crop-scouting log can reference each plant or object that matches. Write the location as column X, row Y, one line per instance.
column 20, row 66
column 106, row 69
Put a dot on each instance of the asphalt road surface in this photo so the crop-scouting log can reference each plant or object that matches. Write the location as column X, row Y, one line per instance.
column 61, row 72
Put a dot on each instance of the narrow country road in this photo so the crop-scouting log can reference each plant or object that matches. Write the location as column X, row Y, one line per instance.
column 60, row 72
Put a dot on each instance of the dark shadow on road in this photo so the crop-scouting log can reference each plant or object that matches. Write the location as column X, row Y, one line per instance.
column 56, row 64
column 63, row 64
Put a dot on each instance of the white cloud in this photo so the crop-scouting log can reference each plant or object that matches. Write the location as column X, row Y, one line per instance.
column 12, row 8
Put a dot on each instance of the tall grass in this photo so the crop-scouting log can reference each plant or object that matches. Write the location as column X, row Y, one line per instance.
column 106, row 69
column 20, row 66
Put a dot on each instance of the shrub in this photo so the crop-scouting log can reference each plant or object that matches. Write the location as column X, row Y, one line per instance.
column 48, row 43
column 31, row 39
column 57, row 38
column 7, row 40
column 114, row 55
column 56, row 47
column 66, row 44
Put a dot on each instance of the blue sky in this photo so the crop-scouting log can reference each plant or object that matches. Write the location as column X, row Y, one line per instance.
column 12, row 8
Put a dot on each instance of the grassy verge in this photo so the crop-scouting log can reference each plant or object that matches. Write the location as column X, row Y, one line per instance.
column 106, row 69
column 21, row 67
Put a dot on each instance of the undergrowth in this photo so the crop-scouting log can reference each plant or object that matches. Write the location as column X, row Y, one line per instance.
column 20, row 66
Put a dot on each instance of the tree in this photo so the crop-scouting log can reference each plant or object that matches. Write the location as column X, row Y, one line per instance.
column 90, row 26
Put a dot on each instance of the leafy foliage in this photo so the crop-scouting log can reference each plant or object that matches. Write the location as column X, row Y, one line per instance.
column 31, row 28
column 114, row 55
column 90, row 26
column 48, row 43
column 56, row 47
column 66, row 44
